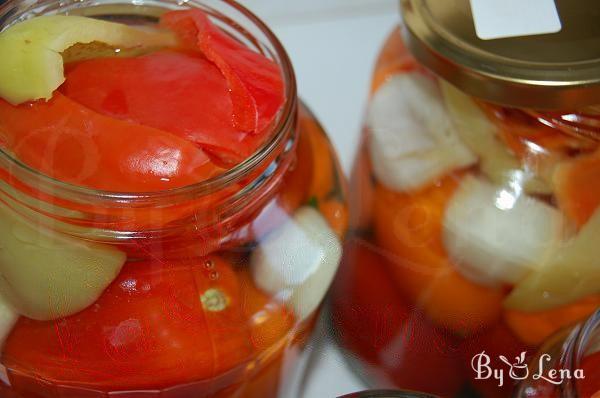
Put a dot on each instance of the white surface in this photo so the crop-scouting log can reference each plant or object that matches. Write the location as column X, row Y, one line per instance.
column 496, row 19
column 333, row 45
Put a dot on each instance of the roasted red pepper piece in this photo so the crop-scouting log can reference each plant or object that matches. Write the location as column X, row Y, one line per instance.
column 158, row 325
column 69, row 142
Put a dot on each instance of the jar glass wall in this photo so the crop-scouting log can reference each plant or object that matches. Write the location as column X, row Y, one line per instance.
column 192, row 290
column 473, row 229
column 567, row 365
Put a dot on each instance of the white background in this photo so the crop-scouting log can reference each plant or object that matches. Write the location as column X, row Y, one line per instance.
column 333, row 45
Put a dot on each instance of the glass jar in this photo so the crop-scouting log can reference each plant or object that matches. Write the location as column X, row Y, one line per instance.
column 567, row 366
column 387, row 394
column 208, row 289
column 473, row 200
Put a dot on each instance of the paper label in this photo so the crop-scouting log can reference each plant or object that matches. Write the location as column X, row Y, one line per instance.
column 496, row 19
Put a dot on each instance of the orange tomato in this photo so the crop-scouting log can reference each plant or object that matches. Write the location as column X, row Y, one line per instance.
column 409, row 228
column 269, row 320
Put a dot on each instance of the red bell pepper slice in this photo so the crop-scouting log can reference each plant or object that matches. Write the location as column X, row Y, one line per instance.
column 183, row 94
column 217, row 94
column 255, row 82
column 71, row 143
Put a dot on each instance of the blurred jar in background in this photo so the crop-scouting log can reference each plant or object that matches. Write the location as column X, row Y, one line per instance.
column 474, row 201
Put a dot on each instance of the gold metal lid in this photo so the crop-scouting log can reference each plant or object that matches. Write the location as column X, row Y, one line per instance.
column 549, row 71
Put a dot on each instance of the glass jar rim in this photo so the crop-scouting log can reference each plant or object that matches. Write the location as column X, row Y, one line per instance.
column 283, row 124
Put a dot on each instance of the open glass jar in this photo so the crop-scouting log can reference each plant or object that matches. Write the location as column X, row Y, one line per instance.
column 152, row 241
column 474, row 199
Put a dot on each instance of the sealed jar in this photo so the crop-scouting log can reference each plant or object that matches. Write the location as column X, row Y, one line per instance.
column 474, row 197
column 171, row 215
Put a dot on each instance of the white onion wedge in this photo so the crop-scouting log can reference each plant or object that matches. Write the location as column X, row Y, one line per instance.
column 495, row 236
column 413, row 141
column 572, row 274
column 46, row 275
column 297, row 262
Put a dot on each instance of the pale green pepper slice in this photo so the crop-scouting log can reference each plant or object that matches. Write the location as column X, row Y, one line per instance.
column 47, row 275
column 32, row 65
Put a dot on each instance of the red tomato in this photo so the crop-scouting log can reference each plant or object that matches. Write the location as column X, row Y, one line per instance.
column 69, row 142
column 396, row 341
column 158, row 325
